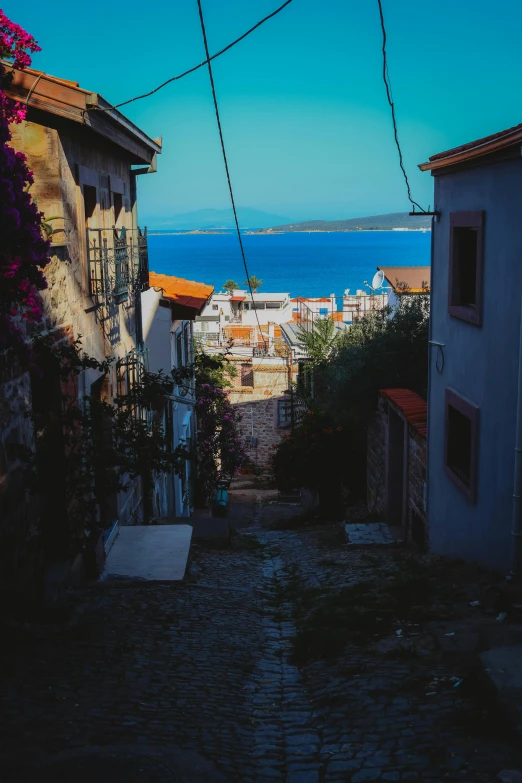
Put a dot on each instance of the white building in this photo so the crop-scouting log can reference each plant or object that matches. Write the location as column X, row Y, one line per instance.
column 169, row 308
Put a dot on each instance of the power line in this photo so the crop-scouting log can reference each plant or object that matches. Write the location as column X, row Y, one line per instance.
column 387, row 84
column 195, row 67
column 216, row 107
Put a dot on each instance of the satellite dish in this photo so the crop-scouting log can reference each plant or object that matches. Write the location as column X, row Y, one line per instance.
column 347, row 292
column 378, row 279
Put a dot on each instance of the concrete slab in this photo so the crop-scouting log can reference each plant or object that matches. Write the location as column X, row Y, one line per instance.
column 503, row 666
column 368, row 534
column 149, row 552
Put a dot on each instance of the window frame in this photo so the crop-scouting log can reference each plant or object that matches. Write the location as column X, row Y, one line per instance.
column 471, row 412
column 469, row 313
column 284, row 404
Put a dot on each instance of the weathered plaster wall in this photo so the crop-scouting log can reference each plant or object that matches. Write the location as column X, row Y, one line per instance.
column 481, row 364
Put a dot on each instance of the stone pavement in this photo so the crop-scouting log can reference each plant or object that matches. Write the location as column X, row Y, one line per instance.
column 205, row 667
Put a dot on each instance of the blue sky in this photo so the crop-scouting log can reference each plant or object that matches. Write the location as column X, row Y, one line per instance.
column 303, row 106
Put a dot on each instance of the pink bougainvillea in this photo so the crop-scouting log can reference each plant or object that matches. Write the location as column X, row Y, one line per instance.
column 23, row 250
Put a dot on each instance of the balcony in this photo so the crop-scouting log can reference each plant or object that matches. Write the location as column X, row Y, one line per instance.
column 118, row 263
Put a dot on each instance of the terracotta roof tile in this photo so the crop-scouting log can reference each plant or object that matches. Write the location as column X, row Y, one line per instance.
column 188, row 293
column 414, row 408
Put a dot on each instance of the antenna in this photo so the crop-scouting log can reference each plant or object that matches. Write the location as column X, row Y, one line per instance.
column 378, row 280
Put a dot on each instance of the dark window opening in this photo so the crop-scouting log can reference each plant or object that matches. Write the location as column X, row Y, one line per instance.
column 118, row 206
column 247, row 375
column 466, row 266
column 90, row 201
column 179, row 349
column 186, row 343
column 273, row 305
column 461, row 442
column 459, row 445
column 258, row 306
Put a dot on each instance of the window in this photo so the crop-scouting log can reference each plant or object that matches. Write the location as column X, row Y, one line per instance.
column 295, row 309
column 284, row 413
column 215, row 307
column 118, row 206
column 89, row 200
column 247, row 374
column 186, row 343
column 246, row 306
column 273, row 305
column 323, row 311
column 179, row 349
column 466, row 266
column 461, row 443
column 258, row 305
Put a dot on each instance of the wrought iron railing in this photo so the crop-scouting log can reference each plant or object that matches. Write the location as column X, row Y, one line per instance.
column 118, row 263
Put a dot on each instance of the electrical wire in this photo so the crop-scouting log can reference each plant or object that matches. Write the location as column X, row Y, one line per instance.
column 223, row 150
column 195, row 67
column 387, row 84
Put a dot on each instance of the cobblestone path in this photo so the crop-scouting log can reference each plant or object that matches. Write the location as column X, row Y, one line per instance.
column 205, row 665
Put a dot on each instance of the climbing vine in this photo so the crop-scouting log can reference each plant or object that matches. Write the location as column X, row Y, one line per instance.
column 23, row 250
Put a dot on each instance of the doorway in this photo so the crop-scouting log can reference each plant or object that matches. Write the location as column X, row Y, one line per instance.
column 395, row 472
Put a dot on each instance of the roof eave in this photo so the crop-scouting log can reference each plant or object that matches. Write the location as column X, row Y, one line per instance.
column 472, row 153
column 66, row 99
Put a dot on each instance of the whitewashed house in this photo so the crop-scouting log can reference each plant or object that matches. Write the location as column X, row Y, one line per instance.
column 170, row 307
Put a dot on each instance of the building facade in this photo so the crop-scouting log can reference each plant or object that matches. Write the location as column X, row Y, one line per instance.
column 474, row 387
column 86, row 159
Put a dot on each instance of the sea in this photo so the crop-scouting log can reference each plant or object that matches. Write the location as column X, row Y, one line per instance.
column 303, row 264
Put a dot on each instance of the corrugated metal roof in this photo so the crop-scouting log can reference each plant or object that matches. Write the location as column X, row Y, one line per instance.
column 188, row 293
column 414, row 408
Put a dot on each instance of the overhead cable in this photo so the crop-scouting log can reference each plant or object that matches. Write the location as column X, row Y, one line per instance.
column 195, row 67
column 387, row 84
column 216, row 107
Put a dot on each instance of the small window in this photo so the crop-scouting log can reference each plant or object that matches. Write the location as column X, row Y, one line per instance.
column 246, row 306
column 323, row 311
column 273, row 305
column 258, row 306
column 461, row 443
column 284, row 413
column 247, row 374
column 179, row 349
column 295, row 309
column 186, row 343
column 118, row 206
column 215, row 307
column 89, row 200
column 466, row 266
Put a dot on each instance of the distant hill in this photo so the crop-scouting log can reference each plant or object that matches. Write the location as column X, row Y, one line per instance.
column 374, row 223
column 219, row 218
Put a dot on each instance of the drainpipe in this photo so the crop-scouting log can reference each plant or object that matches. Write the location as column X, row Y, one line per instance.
column 516, row 526
column 430, row 374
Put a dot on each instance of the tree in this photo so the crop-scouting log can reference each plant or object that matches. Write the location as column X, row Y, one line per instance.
column 230, row 286
column 321, row 341
column 254, row 283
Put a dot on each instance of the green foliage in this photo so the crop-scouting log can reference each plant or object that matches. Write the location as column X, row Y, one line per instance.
column 230, row 286
column 384, row 349
column 254, row 283
column 319, row 343
column 86, row 450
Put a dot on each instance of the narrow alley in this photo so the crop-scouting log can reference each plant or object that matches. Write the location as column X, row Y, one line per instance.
column 213, row 679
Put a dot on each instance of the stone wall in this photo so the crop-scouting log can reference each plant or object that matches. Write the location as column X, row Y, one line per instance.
column 415, row 522
column 258, row 405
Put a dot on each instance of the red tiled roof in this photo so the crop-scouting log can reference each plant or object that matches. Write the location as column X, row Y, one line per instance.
column 237, row 298
column 180, row 291
column 473, row 149
column 414, row 408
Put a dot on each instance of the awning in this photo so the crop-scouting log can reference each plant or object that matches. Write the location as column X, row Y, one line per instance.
column 237, row 298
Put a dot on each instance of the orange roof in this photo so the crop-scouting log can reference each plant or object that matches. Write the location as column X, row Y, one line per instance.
column 180, row 291
column 414, row 408
column 475, row 149
column 237, row 298
column 413, row 276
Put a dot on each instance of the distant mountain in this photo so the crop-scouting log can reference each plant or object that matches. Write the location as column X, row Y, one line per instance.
column 374, row 223
column 220, row 218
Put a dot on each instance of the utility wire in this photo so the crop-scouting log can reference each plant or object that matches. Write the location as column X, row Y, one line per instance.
column 216, row 107
column 195, row 67
column 389, row 95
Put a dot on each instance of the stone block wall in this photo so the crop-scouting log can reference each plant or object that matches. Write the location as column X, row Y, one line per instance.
column 258, row 406
column 415, row 522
